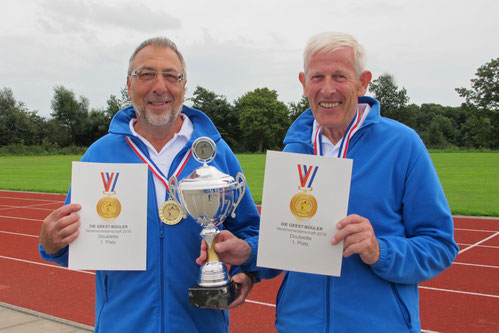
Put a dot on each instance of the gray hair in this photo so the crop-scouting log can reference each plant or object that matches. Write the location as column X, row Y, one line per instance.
column 158, row 42
column 328, row 42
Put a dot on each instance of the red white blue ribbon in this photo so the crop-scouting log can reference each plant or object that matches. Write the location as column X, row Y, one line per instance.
column 342, row 153
column 108, row 180
column 154, row 169
column 307, row 175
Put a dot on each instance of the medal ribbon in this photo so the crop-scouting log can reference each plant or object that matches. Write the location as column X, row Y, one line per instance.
column 342, row 153
column 305, row 173
column 108, row 180
column 154, row 169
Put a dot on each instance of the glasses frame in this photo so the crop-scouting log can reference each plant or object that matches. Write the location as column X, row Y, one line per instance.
column 180, row 77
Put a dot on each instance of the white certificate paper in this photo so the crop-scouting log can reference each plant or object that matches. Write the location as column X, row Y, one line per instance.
column 303, row 243
column 113, row 231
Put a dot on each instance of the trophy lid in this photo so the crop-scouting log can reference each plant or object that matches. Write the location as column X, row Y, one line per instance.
column 206, row 177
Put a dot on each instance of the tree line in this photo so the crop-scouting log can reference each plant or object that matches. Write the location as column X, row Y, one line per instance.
column 258, row 120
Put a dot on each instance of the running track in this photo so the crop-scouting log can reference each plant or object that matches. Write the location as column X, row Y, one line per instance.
column 465, row 298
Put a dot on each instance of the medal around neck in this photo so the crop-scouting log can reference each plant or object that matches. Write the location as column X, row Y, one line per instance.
column 209, row 196
column 171, row 213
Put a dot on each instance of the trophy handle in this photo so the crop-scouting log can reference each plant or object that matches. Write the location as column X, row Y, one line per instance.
column 174, row 194
column 241, row 188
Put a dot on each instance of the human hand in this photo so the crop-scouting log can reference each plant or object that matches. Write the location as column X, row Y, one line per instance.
column 244, row 283
column 229, row 248
column 60, row 228
column 358, row 237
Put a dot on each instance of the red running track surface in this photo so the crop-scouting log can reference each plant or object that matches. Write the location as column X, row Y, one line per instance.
column 464, row 298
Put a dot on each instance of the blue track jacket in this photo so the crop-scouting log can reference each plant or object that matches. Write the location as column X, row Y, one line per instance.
column 156, row 300
column 394, row 185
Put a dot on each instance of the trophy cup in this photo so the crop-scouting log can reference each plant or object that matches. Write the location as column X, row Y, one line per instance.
column 209, row 196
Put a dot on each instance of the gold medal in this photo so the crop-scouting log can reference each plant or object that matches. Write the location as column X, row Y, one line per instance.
column 303, row 205
column 109, row 208
column 170, row 212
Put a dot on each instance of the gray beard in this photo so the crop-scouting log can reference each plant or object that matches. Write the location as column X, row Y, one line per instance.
column 166, row 119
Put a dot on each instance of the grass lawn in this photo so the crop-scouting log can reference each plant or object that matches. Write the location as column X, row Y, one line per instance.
column 470, row 179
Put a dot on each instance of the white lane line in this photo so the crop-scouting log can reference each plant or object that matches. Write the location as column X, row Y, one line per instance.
column 261, row 303
column 478, row 243
column 474, row 265
column 31, row 199
column 47, row 265
column 474, row 230
column 20, row 218
column 459, row 292
column 34, row 207
column 485, row 246
column 18, row 234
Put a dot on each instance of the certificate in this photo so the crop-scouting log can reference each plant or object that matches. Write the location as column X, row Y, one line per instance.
column 113, row 230
column 304, row 196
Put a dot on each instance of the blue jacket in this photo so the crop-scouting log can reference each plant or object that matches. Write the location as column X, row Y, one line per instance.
column 156, row 300
column 394, row 185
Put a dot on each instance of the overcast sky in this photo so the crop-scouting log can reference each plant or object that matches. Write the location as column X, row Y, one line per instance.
column 232, row 47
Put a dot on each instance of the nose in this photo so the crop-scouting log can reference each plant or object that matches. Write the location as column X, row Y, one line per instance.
column 328, row 86
column 159, row 85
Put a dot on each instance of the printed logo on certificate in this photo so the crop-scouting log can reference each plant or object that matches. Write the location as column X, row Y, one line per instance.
column 304, row 196
column 109, row 207
column 113, row 216
column 303, row 205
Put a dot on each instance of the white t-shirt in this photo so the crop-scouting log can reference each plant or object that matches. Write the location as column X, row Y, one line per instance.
column 164, row 158
column 328, row 148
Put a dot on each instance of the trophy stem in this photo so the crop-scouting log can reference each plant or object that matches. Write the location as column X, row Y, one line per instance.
column 213, row 272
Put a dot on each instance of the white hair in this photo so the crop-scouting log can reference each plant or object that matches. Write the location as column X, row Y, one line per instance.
column 328, row 42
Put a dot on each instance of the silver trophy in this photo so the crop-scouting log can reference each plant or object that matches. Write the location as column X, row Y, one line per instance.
column 209, row 196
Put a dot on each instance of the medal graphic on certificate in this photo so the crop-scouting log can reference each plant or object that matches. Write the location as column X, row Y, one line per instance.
column 303, row 205
column 109, row 207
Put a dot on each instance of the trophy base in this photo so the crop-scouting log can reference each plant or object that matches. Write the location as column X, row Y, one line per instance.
column 212, row 297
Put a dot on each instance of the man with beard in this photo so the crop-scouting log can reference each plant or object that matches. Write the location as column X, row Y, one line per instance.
column 163, row 130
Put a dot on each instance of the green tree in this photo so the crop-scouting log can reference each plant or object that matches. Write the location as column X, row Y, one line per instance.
column 481, row 128
column 484, row 94
column 392, row 100
column 441, row 132
column 296, row 109
column 17, row 124
column 263, row 119
column 220, row 112
column 71, row 114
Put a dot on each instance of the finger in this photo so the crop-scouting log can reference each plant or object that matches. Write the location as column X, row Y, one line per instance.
column 64, row 211
column 244, row 285
column 223, row 236
column 203, row 253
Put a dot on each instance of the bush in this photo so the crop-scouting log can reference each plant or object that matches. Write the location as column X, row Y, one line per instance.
column 46, row 148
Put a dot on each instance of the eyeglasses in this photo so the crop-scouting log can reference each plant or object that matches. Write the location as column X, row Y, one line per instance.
column 147, row 75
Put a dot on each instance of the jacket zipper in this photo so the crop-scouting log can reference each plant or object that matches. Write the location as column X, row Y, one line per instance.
column 328, row 304
column 162, row 275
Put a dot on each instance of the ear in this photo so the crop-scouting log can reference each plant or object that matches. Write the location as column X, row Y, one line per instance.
column 303, row 81
column 365, row 79
column 129, row 87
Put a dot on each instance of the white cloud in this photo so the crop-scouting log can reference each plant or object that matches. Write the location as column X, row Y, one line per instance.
column 430, row 47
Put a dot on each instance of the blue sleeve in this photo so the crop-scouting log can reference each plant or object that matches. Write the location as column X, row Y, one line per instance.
column 428, row 247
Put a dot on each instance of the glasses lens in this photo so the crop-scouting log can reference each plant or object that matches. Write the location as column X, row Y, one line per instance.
column 172, row 77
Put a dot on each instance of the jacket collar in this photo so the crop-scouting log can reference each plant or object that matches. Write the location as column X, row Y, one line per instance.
column 301, row 130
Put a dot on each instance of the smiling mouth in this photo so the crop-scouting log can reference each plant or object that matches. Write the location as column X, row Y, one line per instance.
column 329, row 104
column 159, row 103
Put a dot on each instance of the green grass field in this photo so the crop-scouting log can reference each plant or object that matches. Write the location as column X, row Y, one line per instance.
column 470, row 179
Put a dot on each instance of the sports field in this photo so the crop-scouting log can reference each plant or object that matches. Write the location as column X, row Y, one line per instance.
column 470, row 179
